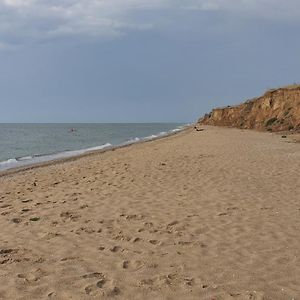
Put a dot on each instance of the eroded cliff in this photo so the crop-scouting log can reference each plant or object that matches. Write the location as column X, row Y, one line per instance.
column 276, row 110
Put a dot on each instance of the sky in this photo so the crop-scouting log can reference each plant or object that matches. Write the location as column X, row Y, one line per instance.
column 141, row 61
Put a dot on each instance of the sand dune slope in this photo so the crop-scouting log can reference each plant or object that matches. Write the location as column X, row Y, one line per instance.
column 199, row 215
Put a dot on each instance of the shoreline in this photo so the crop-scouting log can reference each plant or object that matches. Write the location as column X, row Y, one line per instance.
column 186, row 128
column 49, row 162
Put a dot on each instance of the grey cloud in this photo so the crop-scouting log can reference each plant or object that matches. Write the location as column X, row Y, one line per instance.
column 26, row 21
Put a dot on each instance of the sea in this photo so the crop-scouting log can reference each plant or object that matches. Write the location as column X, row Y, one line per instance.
column 27, row 144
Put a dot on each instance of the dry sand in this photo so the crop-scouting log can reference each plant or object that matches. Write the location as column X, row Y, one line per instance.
column 199, row 215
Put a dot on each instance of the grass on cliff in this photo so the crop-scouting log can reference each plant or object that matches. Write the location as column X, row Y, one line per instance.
column 270, row 121
column 286, row 87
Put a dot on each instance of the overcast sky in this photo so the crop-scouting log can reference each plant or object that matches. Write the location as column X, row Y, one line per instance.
column 141, row 61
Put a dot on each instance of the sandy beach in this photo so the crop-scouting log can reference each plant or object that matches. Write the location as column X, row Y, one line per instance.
column 213, row 214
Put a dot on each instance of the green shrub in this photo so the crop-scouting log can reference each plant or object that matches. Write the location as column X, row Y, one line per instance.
column 271, row 121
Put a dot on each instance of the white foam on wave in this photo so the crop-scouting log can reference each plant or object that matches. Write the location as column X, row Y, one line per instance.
column 150, row 137
column 98, row 147
column 155, row 136
column 8, row 162
column 131, row 141
column 28, row 160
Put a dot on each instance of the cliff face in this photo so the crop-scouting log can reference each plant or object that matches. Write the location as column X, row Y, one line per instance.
column 276, row 110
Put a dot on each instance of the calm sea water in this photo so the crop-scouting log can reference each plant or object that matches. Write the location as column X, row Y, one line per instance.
column 22, row 144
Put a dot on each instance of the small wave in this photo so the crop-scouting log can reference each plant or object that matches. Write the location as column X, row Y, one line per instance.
column 150, row 137
column 24, row 158
column 38, row 158
column 8, row 162
column 131, row 141
column 99, row 147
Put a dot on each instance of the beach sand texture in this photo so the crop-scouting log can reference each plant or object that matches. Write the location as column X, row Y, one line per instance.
column 199, row 215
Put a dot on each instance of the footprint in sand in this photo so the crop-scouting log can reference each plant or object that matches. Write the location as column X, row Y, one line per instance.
column 157, row 282
column 170, row 280
column 7, row 251
column 154, row 242
column 189, row 281
column 83, row 206
column 5, row 213
column 51, row 235
column 16, row 220
column 88, row 230
column 125, row 264
column 28, row 278
column 116, row 249
column 136, row 217
column 132, row 265
column 102, row 285
column 6, row 206
column 137, row 239
column 27, row 200
column 93, row 290
column 94, row 275
column 52, row 295
column 69, row 258
column 223, row 214
column 31, row 277
column 13, row 256
column 246, row 295
column 184, row 243
column 172, row 224
column 69, row 216
column 232, row 208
